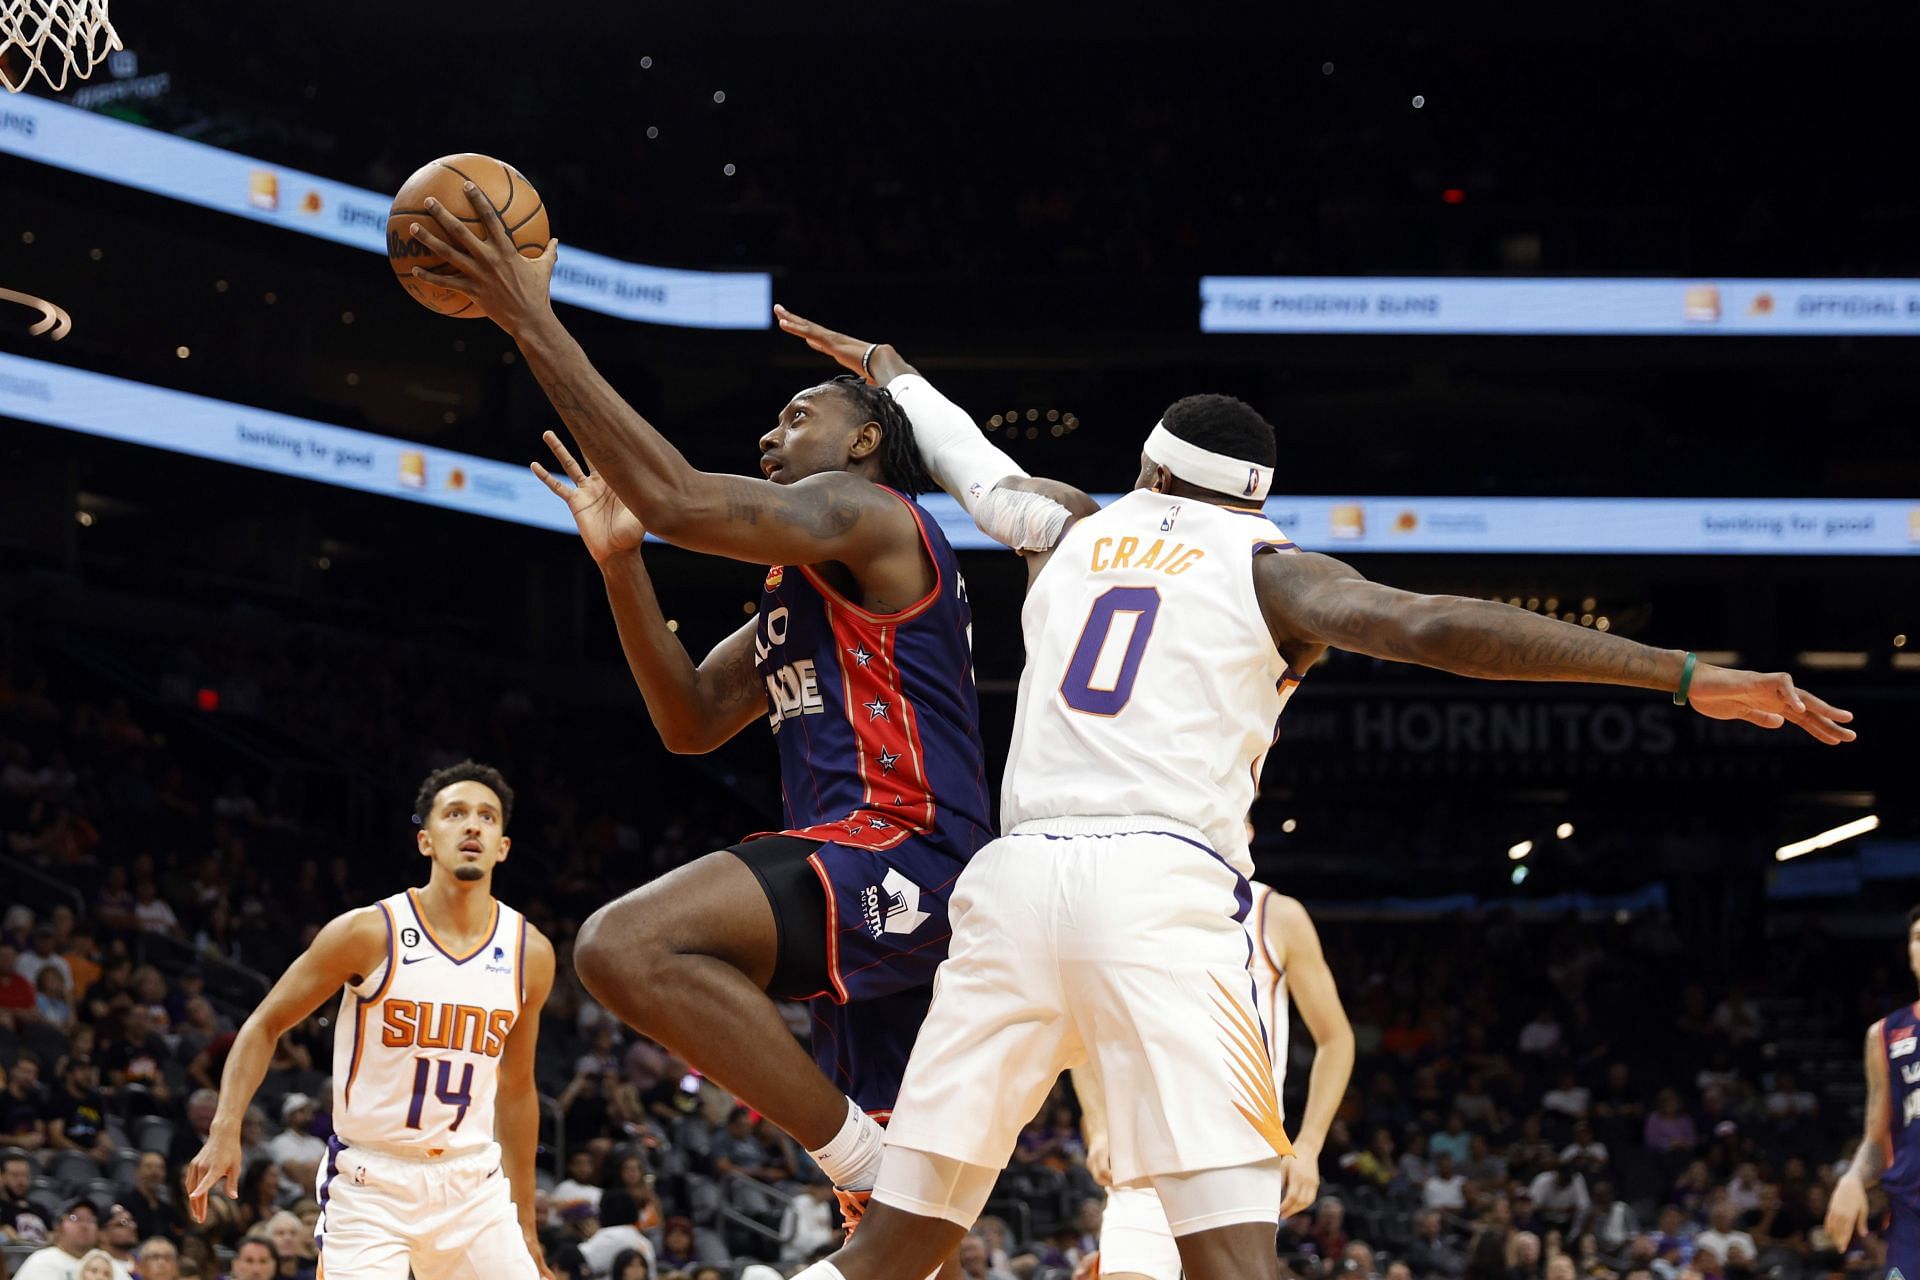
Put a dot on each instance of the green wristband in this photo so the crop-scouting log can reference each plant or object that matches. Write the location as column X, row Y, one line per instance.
column 1686, row 682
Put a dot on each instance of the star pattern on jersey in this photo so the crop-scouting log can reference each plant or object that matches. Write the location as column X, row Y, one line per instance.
column 888, row 759
column 860, row 655
column 878, row 824
column 877, row 710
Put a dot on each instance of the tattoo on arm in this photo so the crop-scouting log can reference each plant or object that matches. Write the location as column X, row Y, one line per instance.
column 1870, row 1158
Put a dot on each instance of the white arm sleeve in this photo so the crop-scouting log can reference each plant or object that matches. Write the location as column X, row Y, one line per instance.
column 957, row 453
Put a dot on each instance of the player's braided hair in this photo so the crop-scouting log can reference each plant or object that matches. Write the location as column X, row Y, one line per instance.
column 466, row 771
column 900, row 464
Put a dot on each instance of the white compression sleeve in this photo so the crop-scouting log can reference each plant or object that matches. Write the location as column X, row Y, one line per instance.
column 1024, row 521
column 958, row 455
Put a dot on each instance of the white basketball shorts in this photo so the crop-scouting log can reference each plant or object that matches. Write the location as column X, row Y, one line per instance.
column 1134, row 1236
column 1074, row 941
column 450, row 1218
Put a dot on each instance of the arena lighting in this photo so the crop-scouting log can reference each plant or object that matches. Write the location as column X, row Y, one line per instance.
column 1289, row 826
column 1831, row 660
column 1564, row 831
column 1520, row 851
column 1519, row 875
column 1845, row 831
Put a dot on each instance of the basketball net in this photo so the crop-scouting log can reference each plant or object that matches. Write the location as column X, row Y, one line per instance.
column 57, row 38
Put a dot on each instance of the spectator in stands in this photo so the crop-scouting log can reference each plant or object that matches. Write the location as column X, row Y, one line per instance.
column 1413, row 1168
column 737, row 1149
column 79, row 1121
column 198, row 1027
column 201, row 1106
column 113, row 904
column 1453, row 1141
column 136, row 1065
column 260, row 1188
column 76, row 1234
column 582, row 1183
column 1668, row 1128
column 295, row 1143
column 605, row 1247
column 1560, row 1198
column 21, row 1222
column 806, row 1224
column 148, row 1199
column 24, row 1105
column 1376, row 1164
column 151, row 912
column 81, row 955
column 1560, row 1267
column 293, row 1242
column 1445, row 1188
column 1357, row 1260
column 1567, row 1098
column 51, row 1000
column 16, row 927
column 1523, row 1256
column 1473, row 1102
column 1787, row 1101
column 255, row 1259
column 19, row 1002
column 98, row 1264
column 43, row 956
column 675, row 1251
column 1721, row 1235
column 1431, row 1254
column 1484, row 1168
column 628, row 1265
column 1586, row 1152
column 1611, row 1219
column 159, row 1260
column 120, row 1237
column 1541, row 1037
column 1329, row 1234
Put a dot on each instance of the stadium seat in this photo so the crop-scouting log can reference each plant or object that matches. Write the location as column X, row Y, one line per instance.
column 73, row 1170
column 153, row 1133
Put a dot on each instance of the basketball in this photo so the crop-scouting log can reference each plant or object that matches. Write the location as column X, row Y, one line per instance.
column 444, row 179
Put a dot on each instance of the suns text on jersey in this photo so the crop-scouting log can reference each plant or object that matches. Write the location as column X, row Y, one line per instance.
column 429, row 1024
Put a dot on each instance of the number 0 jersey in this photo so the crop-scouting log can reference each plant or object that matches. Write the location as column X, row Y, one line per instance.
column 1152, row 685
column 416, row 1052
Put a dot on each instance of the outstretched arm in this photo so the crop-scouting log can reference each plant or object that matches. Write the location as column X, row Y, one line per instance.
column 694, row 708
column 1847, row 1210
column 345, row 951
column 829, row 517
column 1315, row 600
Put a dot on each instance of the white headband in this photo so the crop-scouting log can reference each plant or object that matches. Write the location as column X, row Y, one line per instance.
column 1209, row 470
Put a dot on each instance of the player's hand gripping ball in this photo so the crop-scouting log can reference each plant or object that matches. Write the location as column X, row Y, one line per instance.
column 445, row 180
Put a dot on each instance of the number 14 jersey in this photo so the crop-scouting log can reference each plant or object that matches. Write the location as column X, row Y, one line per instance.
column 1152, row 684
column 416, row 1052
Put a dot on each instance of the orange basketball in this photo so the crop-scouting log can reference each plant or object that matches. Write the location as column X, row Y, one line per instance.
column 445, row 180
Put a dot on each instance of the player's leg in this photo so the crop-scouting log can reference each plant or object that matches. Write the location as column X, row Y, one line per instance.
column 993, row 1042
column 1156, row 971
column 362, row 1231
column 688, row 959
column 1903, row 1239
column 1135, row 1241
column 477, row 1237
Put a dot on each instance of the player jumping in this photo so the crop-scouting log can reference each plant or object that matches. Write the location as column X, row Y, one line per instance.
column 1288, row 968
column 1164, row 636
column 1889, row 1153
column 434, row 1095
column 859, row 660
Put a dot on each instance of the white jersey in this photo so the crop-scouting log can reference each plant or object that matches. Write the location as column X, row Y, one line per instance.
column 1269, row 989
column 418, row 1074
column 1152, row 686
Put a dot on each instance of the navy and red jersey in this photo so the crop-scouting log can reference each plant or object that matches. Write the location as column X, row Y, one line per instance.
column 876, row 716
column 1900, row 1041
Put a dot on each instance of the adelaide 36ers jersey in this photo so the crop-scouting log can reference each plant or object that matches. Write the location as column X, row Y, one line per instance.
column 1152, row 685
column 1900, row 1041
column 416, row 1052
column 1269, row 988
column 876, row 717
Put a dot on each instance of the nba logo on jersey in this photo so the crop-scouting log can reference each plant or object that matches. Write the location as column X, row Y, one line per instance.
column 1173, row 513
column 1253, row 481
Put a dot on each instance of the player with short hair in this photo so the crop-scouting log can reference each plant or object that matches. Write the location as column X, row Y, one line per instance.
column 859, row 658
column 1889, row 1150
column 436, row 1115
column 1289, row 969
column 1164, row 636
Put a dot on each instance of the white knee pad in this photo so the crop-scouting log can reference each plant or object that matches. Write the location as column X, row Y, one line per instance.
column 938, row 1186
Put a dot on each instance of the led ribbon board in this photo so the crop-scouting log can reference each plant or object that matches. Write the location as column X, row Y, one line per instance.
column 134, row 412
column 1728, row 308
column 147, row 160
